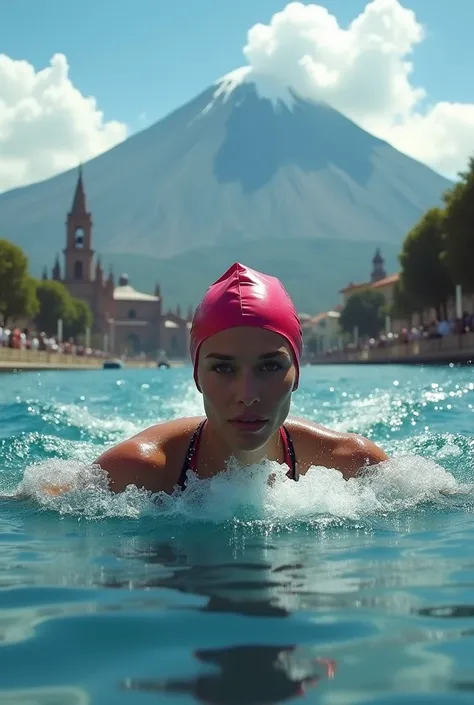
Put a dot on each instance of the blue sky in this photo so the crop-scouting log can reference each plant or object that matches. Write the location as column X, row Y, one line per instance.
column 150, row 56
column 140, row 60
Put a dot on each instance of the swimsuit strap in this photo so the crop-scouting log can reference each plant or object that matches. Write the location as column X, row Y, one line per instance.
column 290, row 455
column 190, row 461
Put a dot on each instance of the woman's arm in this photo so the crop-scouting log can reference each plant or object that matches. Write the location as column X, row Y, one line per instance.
column 133, row 463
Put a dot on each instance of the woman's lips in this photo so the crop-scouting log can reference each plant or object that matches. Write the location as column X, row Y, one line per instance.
column 249, row 425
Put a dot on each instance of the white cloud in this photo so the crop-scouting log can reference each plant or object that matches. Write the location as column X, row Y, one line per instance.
column 364, row 71
column 46, row 124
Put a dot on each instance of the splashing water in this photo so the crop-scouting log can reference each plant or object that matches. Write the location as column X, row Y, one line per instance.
column 261, row 492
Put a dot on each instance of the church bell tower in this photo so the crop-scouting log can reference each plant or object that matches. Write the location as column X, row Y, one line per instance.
column 378, row 271
column 78, row 254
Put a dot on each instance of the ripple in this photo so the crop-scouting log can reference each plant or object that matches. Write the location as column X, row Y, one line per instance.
column 359, row 591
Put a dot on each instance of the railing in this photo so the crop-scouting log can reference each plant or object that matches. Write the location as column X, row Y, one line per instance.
column 11, row 357
column 43, row 357
column 451, row 347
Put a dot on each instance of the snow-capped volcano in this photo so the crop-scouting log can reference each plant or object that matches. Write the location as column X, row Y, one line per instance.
column 266, row 88
column 249, row 171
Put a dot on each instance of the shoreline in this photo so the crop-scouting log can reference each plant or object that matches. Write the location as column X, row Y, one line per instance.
column 12, row 361
column 413, row 361
column 455, row 349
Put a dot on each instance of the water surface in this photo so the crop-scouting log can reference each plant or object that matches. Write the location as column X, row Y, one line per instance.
column 237, row 592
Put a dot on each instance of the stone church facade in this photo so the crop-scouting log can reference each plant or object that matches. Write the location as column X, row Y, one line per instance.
column 124, row 319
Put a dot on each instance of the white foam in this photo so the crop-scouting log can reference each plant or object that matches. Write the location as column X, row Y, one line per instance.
column 252, row 494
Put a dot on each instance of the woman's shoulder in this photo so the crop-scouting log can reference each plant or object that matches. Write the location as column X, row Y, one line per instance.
column 165, row 432
column 316, row 444
column 151, row 458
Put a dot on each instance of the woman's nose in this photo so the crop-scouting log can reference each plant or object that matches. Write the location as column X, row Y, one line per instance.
column 247, row 389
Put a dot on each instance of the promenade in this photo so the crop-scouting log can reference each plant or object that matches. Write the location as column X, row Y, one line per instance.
column 14, row 360
column 456, row 349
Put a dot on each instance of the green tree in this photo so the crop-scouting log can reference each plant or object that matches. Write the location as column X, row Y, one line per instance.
column 366, row 310
column 81, row 319
column 54, row 302
column 425, row 279
column 459, row 227
column 402, row 306
column 17, row 288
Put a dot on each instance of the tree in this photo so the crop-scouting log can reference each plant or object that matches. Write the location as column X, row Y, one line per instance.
column 364, row 310
column 17, row 288
column 54, row 302
column 459, row 227
column 402, row 306
column 425, row 279
column 81, row 319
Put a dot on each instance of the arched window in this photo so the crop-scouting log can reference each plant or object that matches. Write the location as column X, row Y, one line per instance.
column 79, row 238
column 77, row 270
column 132, row 313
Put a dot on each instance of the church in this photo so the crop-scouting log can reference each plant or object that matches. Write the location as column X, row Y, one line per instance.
column 379, row 282
column 125, row 321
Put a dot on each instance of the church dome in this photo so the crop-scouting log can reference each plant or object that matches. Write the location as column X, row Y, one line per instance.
column 123, row 281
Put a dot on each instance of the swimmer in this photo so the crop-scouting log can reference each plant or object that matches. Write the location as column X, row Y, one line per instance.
column 245, row 344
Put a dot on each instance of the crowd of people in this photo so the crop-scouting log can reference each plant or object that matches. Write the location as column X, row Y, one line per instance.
column 435, row 329
column 439, row 329
column 25, row 339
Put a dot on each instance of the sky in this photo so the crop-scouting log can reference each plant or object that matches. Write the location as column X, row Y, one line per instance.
column 76, row 78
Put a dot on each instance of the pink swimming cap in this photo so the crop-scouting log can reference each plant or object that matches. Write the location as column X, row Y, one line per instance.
column 245, row 297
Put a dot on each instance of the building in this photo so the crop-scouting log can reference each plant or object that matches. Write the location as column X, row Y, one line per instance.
column 386, row 285
column 379, row 281
column 125, row 321
column 322, row 333
column 136, row 323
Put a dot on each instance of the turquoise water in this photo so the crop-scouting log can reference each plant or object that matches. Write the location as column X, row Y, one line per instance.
column 237, row 592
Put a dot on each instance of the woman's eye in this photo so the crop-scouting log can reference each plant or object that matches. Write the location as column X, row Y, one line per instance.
column 271, row 367
column 226, row 368
column 222, row 368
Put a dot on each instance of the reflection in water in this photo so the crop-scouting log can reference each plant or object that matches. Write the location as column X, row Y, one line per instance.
column 251, row 673
column 255, row 608
column 467, row 686
column 245, row 674
column 242, row 587
column 447, row 611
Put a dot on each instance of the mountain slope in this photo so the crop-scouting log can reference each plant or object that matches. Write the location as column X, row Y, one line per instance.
column 232, row 168
column 312, row 270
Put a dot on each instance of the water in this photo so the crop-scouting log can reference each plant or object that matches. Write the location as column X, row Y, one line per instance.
column 237, row 592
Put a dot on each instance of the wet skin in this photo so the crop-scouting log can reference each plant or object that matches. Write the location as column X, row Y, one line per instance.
column 247, row 377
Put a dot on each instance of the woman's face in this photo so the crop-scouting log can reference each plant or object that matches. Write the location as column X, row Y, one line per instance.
column 246, row 376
